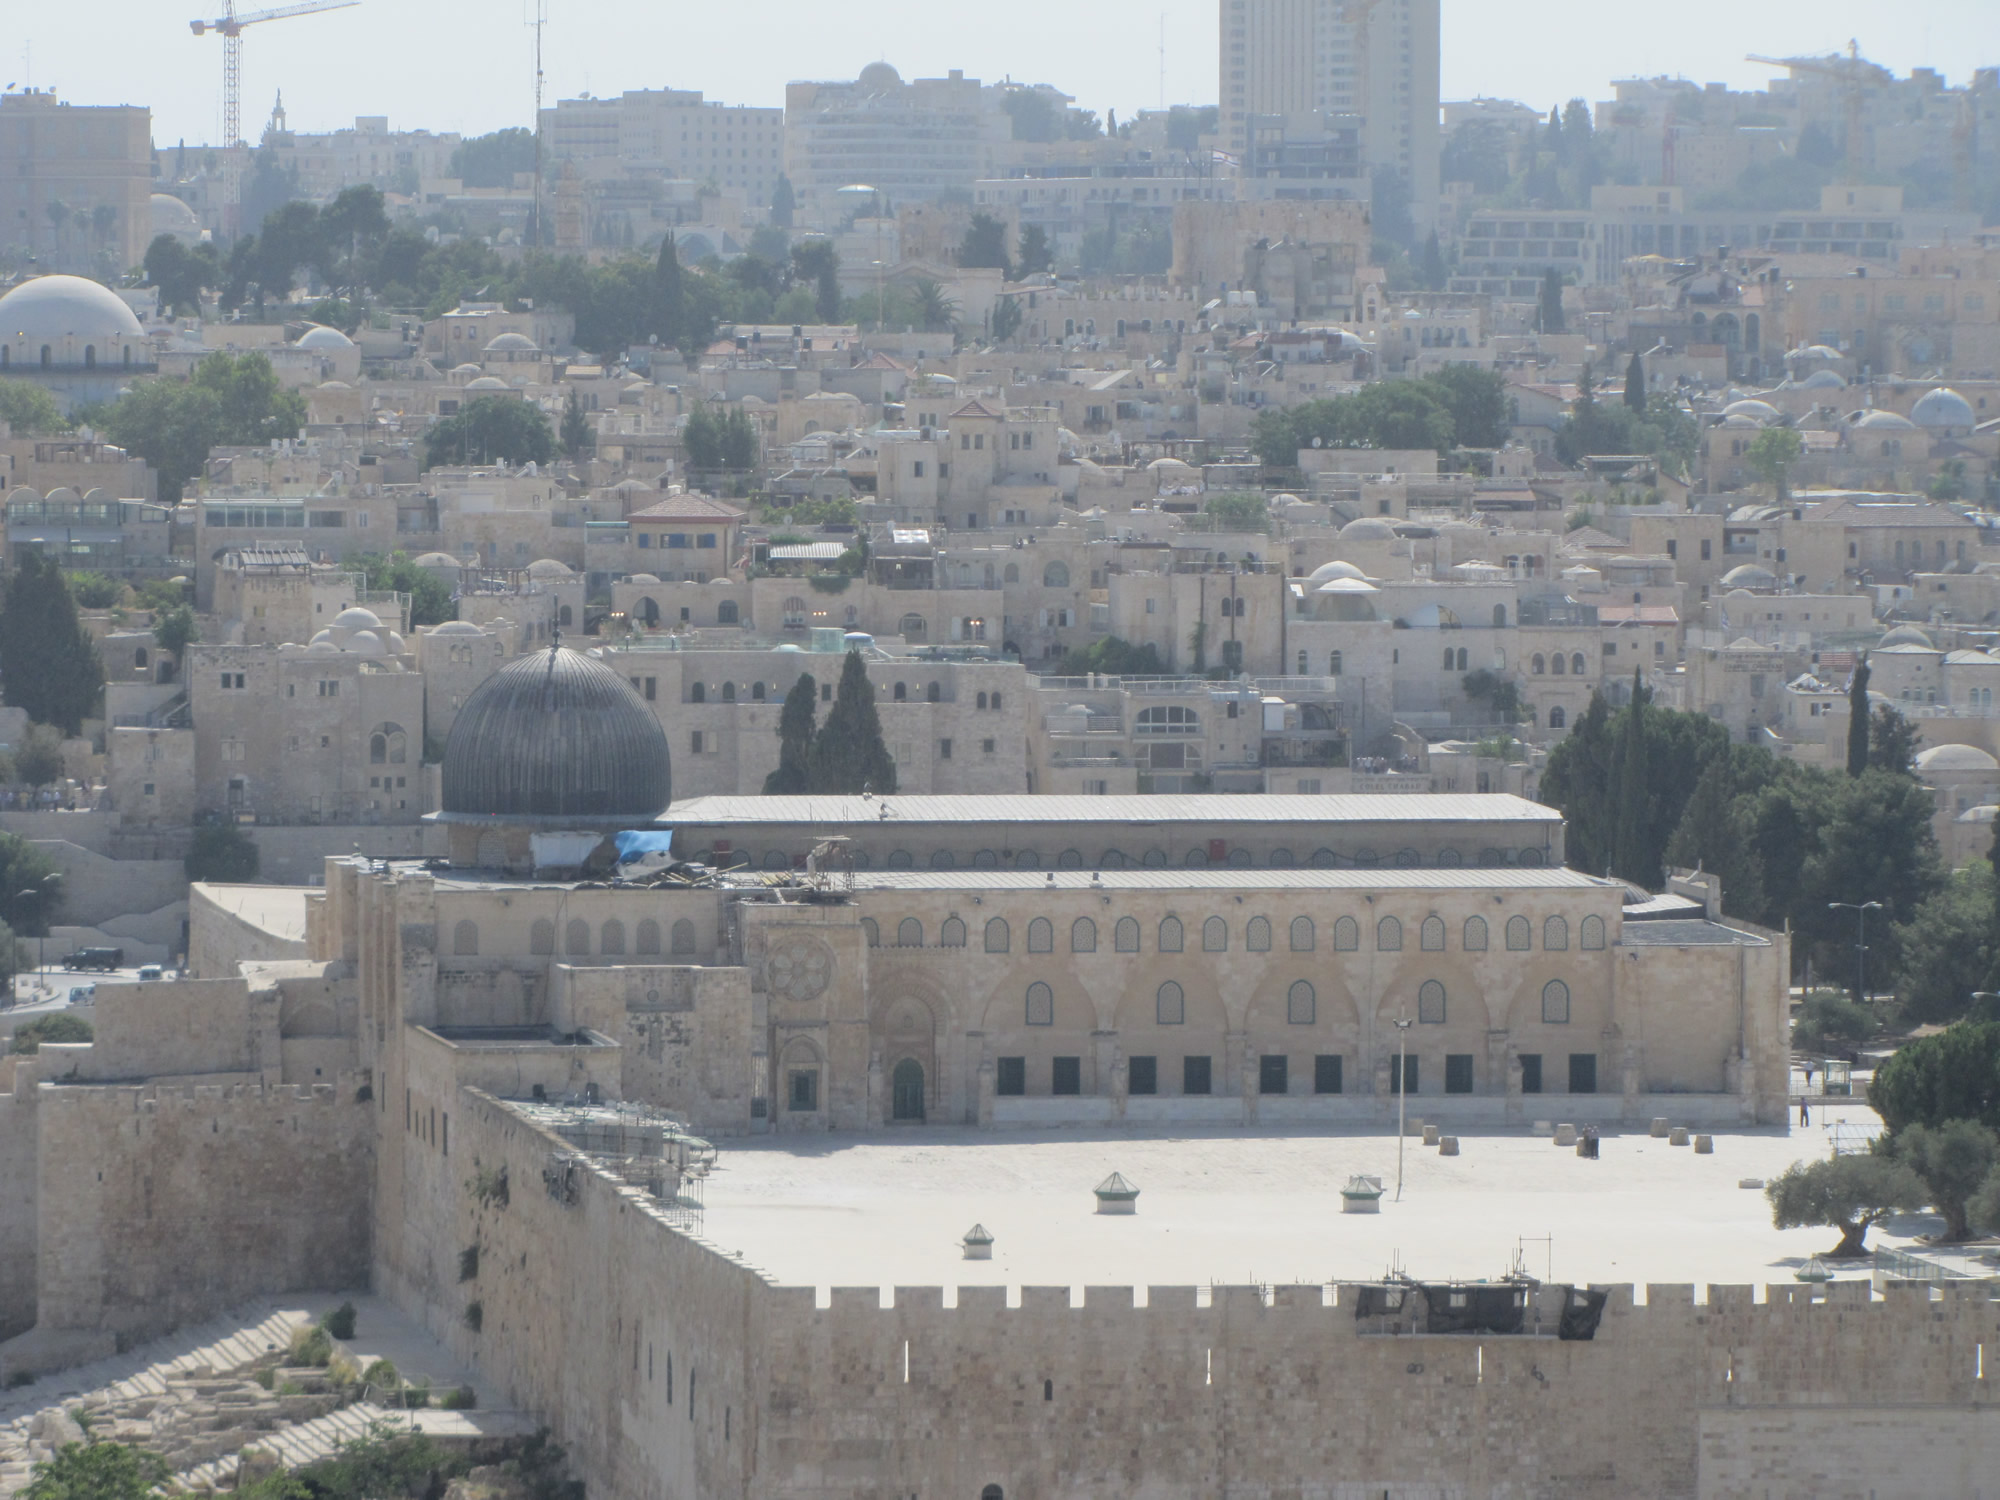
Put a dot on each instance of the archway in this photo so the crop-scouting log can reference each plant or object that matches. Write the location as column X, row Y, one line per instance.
column 906, row 1091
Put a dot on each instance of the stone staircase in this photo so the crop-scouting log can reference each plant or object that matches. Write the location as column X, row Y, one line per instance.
column 296, row 1446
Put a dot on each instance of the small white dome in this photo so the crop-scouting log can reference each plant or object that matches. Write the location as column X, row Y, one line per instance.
column 486, row 383
column 1368, row 529
column 170, row 215
column 1907, row 635
column 1758, row 411
column 1943, row 407
column 1883, row 421
column 1822, row 380
column 327, row 340
column 366, row 643
column 1956, row 758
column 512, row 343
column 66, row 307
column 644, row 579
column 548, row 567
column 1748, row 576
column 438, row 560
column 456, row 627
column 1326, row 572
column 356, row 618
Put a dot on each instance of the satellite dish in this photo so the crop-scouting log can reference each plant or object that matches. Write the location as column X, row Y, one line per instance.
column 1316, row 442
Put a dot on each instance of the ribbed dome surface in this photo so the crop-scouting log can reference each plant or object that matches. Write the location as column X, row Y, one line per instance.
column 556, row 735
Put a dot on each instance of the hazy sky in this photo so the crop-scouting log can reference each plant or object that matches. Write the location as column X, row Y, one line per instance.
column 467, row 65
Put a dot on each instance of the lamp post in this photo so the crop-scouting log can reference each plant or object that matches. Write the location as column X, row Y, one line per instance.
column 39, row 895
column 1860, row 910
column 1402, row 1094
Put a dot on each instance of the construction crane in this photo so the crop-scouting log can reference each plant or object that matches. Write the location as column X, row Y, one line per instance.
column 1852, row 73
column 229, row 26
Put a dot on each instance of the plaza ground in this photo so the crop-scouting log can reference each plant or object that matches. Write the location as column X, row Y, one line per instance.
column 889, row 1207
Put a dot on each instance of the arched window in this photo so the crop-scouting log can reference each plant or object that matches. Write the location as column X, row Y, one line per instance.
column 900, row 692
column 1041, row 1005
column 1388, row 936
column 1169, row 718
column 1346, row 935
column 943, row 859
column 1083, row 936
column 1520, row 935
column 563, row 615
column 1302, row 935
column 1499, row 617
column 952, row 933
column 1556, row 666
column 1449, row 859
column 465, row 939
column 611, row 937
column 1112, row 859
column 542, row 936
column 933, row 693
column 1555, row 1003
column 1430, row 937
column 1027, row 859
column 576, row 936
column 1447, row 658
column 1555, row 935
column 1557, row 718
column 1170, row 935
column 982, row 700
column 1125, row 936
column 725, row 613
column 1170, row 1005
column 992, row 1492
column 1055, row 576
column 1430, row 1003
column 986, row 859
column 729, row 692
column 995, row 705
column 1333, row 664
column 1462, row 654
column 1070, row 859
column 378, row 749
column 1576, row 664
column 1257, row 936
column 1215, row 936
column 795, row 611
column 756, row 692
column 998, row 939
column 682, row 939
column 909, row 933
column 698, row 692
column 1041, row 936
column 1475, row 934
column 1592, row 933
column 1538, row 664
column 1195, row 858
column 48, row 356
column 870, row 933
column 90, row 356
column 1301, row 1005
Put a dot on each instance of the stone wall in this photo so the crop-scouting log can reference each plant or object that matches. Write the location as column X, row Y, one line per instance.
column 219, row 937
column 18, row 1141
column 181, row 1028
column 162, row 1206
column 685, row 1036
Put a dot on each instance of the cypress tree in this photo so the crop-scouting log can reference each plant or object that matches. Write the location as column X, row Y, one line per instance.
column 848, row 754
column 1632, row 854
column 669, row 315
column 1578, row 781
column 51, row 666
column 1635, row 385
column 1857, row 719
column 1552, row 301
column 795, row 739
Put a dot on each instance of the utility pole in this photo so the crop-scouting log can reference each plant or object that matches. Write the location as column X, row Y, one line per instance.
column 535, row 213
column 1402, row 1094
column 1860, row 911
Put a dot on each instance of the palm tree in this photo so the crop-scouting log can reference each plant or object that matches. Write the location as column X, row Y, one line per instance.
column 103, row 221
column 934, row 310
column 58, row 212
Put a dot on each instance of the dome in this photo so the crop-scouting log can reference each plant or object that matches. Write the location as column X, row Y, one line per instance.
column 357, row 618
column 333, row 385
column 548, row 567
column 1368, row 529
column 1955, row 758
column 879, row 75
column 1326, row 572
column 366, row 643
column 1739, row 420
column 555, row 736
column 171, row 216
column 437, row 560
column 66, row 307
column 486, row 383
column 645, row 580
column 1943, row 407
column 1748, row 576
column 512, row 343
column 1908, row 635
column 327, row 340
column 1884, row 421
column 456, row 627
column 465, row 369
column 1822, row 380
column 1758, row 411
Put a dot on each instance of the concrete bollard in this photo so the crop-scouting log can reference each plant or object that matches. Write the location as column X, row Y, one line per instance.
column 1678, row 1136
column 1544, row 1127
column 1565, row 1135
column 1704, row 1145
column 1660, row 1128
column 1413, row 1127
column 1430, row 1135
column 1447, row 1145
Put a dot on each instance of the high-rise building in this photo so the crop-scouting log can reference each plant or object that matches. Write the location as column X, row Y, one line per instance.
column 912, row 142
column 675, row 132
column 75, row 181
column 1376, row 60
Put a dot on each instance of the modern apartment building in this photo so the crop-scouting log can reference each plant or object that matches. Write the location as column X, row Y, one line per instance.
column 912, row 142
column 675, row 133
column 1376, row 60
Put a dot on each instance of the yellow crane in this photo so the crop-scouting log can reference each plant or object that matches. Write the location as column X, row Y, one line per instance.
column 1853, row 73
column 229, row 26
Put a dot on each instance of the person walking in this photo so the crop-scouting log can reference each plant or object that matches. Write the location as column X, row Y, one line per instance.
column 1805, row 1115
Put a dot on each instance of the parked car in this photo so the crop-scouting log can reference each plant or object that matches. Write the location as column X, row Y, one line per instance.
column 83, row 994
column 149, row 971
column 105, row 960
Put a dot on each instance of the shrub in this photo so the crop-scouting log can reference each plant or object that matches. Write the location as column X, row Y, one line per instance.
column 382, row 1373
column 468, row 1263
column 416, row 1397
column 266, row 1378
column 340, row 1322
column 1829, row 1018
column 312, row 1346
column 54, row 1027
column 94, row 590
column 488, row 1185
column 343, row 1369
column 222, row 852
column 475, row 1316
column 462, row 1399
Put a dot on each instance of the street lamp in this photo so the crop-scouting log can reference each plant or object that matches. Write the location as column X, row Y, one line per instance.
column 1860, row 910
column 1402, row 1094
column 39, row 896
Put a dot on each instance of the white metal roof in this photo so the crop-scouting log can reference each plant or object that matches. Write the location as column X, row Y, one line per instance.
column 1302, row 878
column 1474, row 807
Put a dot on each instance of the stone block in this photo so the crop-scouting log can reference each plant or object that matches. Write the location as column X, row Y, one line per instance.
column 1448, row 1145
column 1413, row 1127
column 1543, row 1127
column 1660, row 1127
column 1678, row 1136
column 1430, row 1135
column 1565, row 1135
column 1704, row 1145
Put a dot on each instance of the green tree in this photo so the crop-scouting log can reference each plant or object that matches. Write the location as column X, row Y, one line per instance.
column 1500, row 694
column 1875, row 844
column 223, row 853
column 175, row 631
column 1857, row 718
column 814, row 263
column 231, row 400
column 1954, row 1160
column 1481, row 410
column 95, row 590
column 28, row 410
column 575, row 433
column 741, row 439
column 97, row 1471
column 1033, row 254
column 701, row 437
column 1771, row 455
column 936, row 312
column 1893, row 741
column 1113, row 657
column 50, row 665
column 25, row 873
column 490, row 161
column 1578, row 781
column 431, row 601
column 1634, row 855
column 1949, row 947
column 351, row 231
column 1949, row 481
column 784, row 203
column 1953, row 1074
column 56, row 1027
column 491, row 429
column 289, row 240
column 1551, row 309
column 1242, row 510
column 1006, row 319
column 1635, row 385
column 1829, row 1019
column 795, row 739
column 985, row 244
column 1187, row 123
column 848, row 753
column 38, row 759
column 1849, row 1193
column 670, row 294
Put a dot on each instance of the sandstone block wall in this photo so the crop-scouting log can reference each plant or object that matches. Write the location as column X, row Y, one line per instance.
column 159, row 1207
column 18, row 1143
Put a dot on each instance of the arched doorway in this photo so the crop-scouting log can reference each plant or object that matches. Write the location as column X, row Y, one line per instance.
column 906, row 1091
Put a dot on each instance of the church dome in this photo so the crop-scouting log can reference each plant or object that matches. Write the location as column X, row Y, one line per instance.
column 556, row 736
column 66, row 307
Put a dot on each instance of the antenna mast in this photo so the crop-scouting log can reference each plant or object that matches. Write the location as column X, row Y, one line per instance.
column 535, row 214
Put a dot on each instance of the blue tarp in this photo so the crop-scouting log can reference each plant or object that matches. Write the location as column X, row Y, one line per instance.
column 635, row 842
